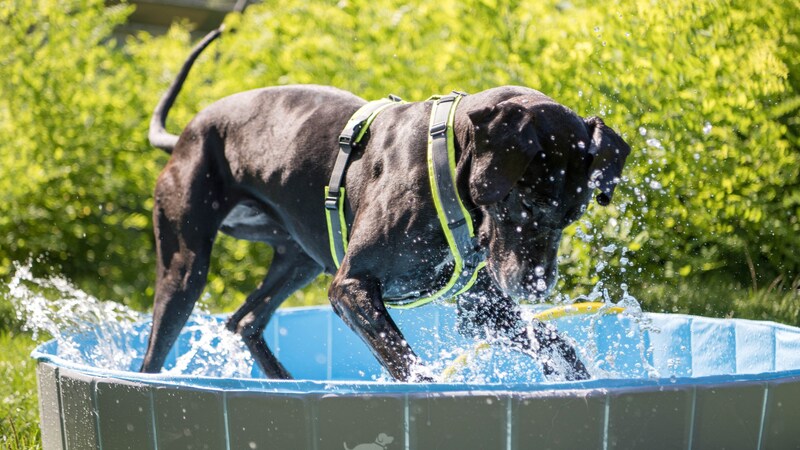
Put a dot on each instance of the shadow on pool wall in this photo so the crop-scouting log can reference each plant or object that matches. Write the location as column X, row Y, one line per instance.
column 680, row 382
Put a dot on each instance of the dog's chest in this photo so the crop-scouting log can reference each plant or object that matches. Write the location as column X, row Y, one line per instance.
column 421, row 278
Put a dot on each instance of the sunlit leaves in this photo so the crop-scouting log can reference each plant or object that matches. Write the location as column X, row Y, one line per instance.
column 706, row 92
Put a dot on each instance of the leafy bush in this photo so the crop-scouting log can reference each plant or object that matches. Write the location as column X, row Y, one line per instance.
column 707, row 94
column 77, row 171
column 74, row 181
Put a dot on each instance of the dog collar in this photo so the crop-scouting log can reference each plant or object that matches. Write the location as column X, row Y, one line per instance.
column 454, row 218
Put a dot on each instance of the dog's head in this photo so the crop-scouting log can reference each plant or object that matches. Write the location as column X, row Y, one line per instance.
column 383, row 440
column 535, row 165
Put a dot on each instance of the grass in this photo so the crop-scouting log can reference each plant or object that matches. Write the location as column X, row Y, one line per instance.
column 19, row 411
column 779, row 301
column 19, row 408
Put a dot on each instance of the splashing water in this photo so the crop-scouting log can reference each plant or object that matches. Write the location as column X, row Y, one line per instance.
column 212, row 351
column 53, row 306
column 610, row 345
column 640, row 324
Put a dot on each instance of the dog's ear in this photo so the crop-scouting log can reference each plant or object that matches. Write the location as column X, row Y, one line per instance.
column 608, row 151
column 505, row 144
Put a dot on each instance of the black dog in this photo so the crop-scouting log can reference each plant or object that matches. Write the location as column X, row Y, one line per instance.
column 254, row 166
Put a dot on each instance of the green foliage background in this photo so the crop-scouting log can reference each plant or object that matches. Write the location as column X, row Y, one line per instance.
column 706, row 92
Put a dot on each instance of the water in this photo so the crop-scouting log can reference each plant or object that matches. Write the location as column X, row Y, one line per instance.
column 53, row 306
column 639, row 327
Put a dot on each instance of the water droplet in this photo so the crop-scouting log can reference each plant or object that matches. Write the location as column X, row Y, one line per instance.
column 643, row 131
column 707, row 128
column 610, row 248
column 655, row 143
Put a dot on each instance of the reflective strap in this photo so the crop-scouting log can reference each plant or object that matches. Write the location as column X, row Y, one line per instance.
column 351, row 134
column 454, row 218
column 353, row 131
column 337, row 228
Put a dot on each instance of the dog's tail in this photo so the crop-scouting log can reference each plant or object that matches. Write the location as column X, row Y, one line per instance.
column 158, row 135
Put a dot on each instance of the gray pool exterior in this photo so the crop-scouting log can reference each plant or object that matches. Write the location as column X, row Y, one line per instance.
column 85, row 408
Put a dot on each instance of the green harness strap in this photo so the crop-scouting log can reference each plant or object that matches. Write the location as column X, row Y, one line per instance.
column 453, row 216
column 350, row 136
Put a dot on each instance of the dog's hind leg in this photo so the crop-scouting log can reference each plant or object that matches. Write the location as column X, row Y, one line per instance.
column 486, row 312
column 291, row 269
column 189, row 208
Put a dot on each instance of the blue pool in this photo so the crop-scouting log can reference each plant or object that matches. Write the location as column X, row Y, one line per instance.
column 659, row 381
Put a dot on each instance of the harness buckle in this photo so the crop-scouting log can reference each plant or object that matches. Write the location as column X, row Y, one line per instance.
column 457, row 223
column 332, row 201
column 438, row 128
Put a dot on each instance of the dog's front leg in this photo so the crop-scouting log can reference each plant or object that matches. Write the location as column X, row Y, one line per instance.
column 358, row 301
column 487, row 312
column 559, row 357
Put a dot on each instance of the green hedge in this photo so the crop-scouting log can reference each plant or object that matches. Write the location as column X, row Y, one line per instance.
column 706, row 92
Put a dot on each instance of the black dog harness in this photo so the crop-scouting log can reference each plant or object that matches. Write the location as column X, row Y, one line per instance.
column 453, row 216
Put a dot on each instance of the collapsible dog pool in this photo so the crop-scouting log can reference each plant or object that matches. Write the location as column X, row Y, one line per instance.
column 660, row 381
